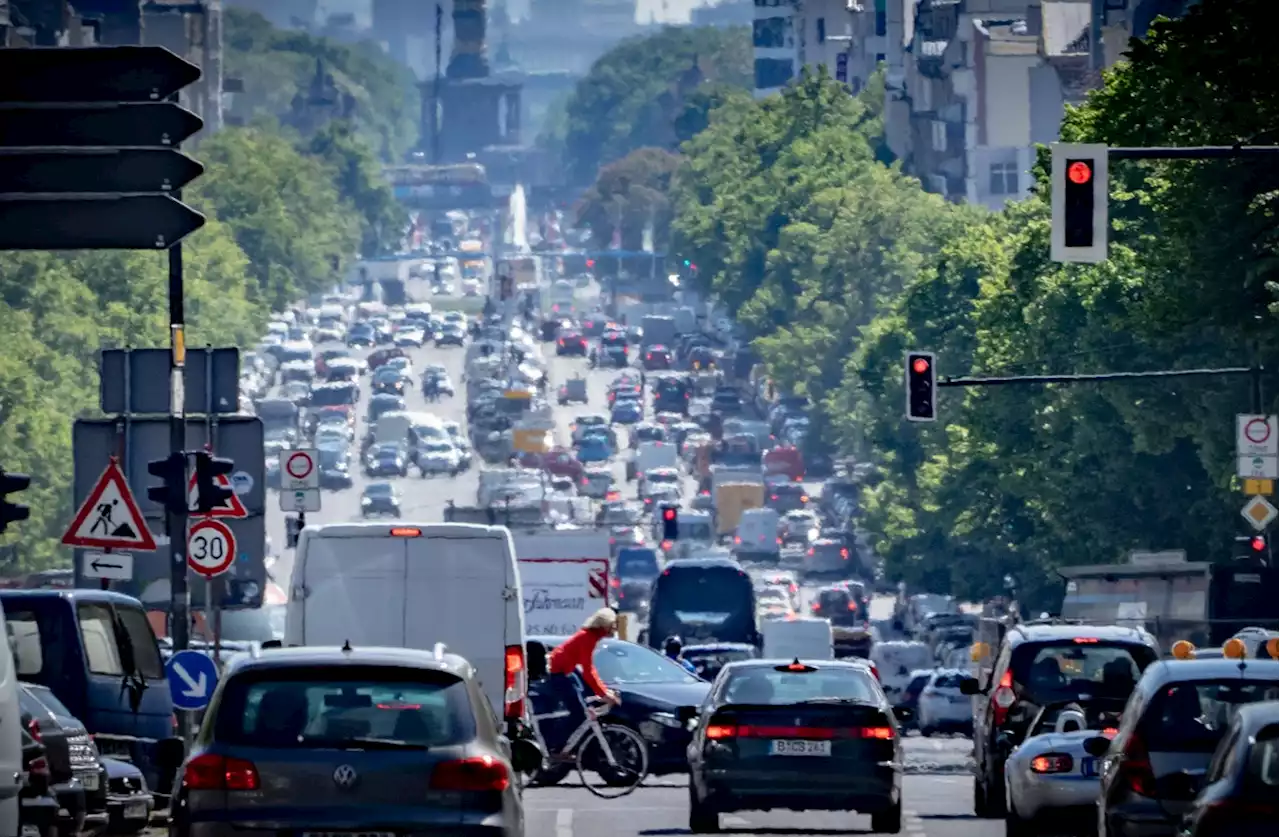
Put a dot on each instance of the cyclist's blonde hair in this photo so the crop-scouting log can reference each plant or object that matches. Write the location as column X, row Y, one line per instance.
column 604, row 619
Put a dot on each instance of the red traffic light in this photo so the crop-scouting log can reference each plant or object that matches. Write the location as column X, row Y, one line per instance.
column 668, row 514
column 920, row 365
column 591, row 262
column 1258, row 543
column 1080, row 172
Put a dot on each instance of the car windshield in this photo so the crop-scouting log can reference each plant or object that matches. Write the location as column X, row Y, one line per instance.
column 1059, row 671
column 378, row 489
column 256, row 625
column 637, row 563
column 331, row 457
column 763, row 684
column 333, row 396
column 357, row 707
column 1192, row 716
column 624, row 663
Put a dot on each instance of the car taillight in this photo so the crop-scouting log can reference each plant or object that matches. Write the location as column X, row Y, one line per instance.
column 667, row 545
column 853, row 605
column 721, row 731
column 1003, row 698
column 33, row 727
column 513, row 692
column 816, row 607
column 793, row 588
column 844, row 553
column 875, row 671
column 613, row 582
column 773, row 496
column 39, row 766
column 1052, row 763
column 737, row 539
column 811, row 551
column 214, row 772
column 1135, row 768
column 479, row 773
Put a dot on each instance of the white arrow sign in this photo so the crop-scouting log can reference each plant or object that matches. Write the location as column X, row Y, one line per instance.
column 197, row 687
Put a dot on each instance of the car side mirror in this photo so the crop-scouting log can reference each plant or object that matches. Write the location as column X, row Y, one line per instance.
column 903, row 713
column 526, row 755
column 1097, row 746
column 970, row 686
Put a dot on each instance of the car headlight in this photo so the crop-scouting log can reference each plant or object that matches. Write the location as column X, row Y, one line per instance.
column 365, row 501
column 667, row 719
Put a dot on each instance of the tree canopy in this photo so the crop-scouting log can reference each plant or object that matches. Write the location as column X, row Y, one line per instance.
column 281, row 225
column 837, row 264
column 652, row 91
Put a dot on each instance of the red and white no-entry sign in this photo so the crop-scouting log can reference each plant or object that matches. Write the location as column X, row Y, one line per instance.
column 1257, row 431
column 1255, row 435
column 298, row 471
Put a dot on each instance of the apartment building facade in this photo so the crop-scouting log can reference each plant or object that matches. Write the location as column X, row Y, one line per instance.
column 844, row 36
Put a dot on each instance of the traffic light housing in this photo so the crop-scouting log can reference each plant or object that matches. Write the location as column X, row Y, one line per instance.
column 922, row 387
column 171, row 493
column 1251, row 546
column 1079, row 203
column 209, row 493
column 670, row 523
column 12, row 512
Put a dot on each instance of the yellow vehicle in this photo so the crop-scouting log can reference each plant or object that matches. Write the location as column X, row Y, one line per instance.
column 732, row 499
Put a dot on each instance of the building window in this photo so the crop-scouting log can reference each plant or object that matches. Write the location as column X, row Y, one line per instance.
column 771, row 32
column 773, row 72
column 822, row 30
column 1004, row 179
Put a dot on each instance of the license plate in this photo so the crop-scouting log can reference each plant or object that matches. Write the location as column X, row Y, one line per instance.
column 786, row 747
column 90, row 781
column 135, row 811
column 1088, row 767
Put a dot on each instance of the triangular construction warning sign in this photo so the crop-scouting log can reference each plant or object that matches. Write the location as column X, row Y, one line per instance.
column 231, row 507
column 109, row 517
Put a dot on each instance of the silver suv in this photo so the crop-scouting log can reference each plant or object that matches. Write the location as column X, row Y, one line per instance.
column 376, row 741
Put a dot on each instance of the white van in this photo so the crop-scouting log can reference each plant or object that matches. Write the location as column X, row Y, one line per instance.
column 800, row 638
column 412, row 585
column 757, row 536
column 895, row 661
column 10, row 736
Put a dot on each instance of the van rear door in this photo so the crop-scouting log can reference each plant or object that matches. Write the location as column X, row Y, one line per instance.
column 465, row 589
column 350, row 583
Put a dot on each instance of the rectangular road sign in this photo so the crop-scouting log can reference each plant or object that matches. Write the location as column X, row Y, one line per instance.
column 101, row 222
column 1256, row 435
column 149, row 381
column 117, row 566
column 301, row 500
column 1257, row 467
column 135, row 124
column 1252, row 486
column 95, row 170
column 93, row 74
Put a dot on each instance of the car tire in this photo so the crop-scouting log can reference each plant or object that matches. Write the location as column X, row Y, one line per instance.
column 1016, row 826
column 703, row 819
column 888, row 821
column 926, row 731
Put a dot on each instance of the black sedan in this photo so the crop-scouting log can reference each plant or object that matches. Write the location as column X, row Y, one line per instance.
column 804, row 736
column 388, row 459
column 380, row 499
column 389, row 381
column 655, row 693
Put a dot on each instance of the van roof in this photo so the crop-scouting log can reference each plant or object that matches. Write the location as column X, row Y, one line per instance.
column 74, row 594
column 426, row 530
column 360, row 656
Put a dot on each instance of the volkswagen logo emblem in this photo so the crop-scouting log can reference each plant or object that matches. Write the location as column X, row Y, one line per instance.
column 345, row 776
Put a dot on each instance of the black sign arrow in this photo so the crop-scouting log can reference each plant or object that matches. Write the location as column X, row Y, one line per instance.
column 95, row 170
column 98, row 566
column 108, row 123
column 92, row 74
column 119, row 222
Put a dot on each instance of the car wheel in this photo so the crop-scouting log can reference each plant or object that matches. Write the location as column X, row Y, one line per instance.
column 703, row 819
column 888, row 821
column 1016, row 826
column 926, row 731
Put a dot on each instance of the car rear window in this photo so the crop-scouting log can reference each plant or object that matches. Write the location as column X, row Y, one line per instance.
column 1058, row 671
column 767, row 685
column 1192, row 716
column 637, row 562
column 321, row 707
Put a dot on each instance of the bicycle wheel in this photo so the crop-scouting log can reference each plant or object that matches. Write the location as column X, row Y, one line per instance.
column 616, row 767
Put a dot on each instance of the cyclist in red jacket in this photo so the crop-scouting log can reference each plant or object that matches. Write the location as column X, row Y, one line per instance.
column 563, row 663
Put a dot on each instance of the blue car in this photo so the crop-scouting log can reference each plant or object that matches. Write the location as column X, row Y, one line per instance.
column 594, row 449
column 626, row 412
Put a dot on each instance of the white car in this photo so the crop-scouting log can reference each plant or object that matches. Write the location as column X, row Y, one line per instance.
column 783, row 580
column 439, row 458
column 941, row 706
column 767, row 596
column 800, row 526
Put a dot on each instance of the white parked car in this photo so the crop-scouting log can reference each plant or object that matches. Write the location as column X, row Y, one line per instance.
column 941, row 707
column 439, row 458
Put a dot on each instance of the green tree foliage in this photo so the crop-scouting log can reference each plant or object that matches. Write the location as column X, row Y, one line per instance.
column 277, row 68
column 631, row 193
column 646, row 92
column 837, row 265
column 280, row 225
column 284, row 209
column 360, row 182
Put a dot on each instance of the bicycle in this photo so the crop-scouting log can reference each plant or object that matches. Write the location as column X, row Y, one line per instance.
column 616, row 754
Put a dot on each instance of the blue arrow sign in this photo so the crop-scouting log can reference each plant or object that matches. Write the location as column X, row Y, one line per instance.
column 192, row 677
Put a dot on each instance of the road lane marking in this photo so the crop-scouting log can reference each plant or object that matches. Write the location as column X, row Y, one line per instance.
column 912, row 823
column 564, row 822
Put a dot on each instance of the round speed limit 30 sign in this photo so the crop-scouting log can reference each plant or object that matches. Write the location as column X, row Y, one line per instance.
column 211, row 548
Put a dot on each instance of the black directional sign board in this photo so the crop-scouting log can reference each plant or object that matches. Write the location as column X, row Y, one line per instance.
column 96, row 170
column 93, row 74
column 88, row 148
column 100, row 222
column 156, row 124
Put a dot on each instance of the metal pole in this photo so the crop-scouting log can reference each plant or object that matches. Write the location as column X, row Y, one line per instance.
column 435, row 90
column 212, row 592
column 176, row 523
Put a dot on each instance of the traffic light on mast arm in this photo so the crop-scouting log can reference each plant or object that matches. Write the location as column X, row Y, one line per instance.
column 209, row 493
column 670, row 523
column 12, row 512
column 1079, row 203
column 922, row 387
column 171, row 493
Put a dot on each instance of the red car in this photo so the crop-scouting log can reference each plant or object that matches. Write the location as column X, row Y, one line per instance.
column 559, row 462
column 785, row 460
